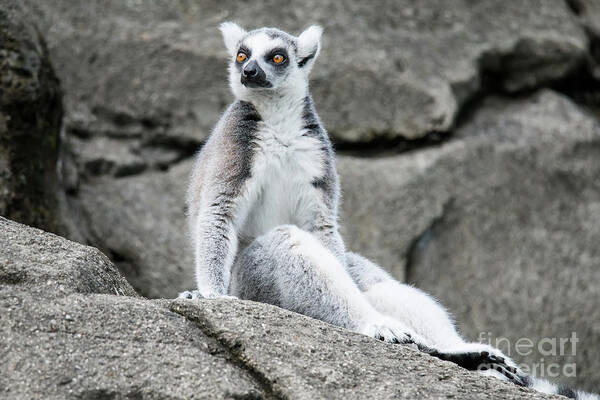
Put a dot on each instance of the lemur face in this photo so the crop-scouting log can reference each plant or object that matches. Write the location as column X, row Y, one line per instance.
column 268, row 60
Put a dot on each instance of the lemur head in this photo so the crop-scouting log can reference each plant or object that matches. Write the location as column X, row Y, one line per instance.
column 269, row 61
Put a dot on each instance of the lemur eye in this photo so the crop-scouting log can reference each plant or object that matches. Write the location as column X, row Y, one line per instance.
column 278, row 58
column 241, row 57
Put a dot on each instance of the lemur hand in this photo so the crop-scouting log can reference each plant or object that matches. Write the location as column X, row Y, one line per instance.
column 391, row 331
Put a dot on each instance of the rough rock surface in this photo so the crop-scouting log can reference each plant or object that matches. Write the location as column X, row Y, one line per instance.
column 51, row 266
column 66, row 329
column 303, row 358
column 30, row 117
column 79, row 343
column 589, row 13
column 147, row 210
column 589, row 16
column 501, row 224
column 154, row 74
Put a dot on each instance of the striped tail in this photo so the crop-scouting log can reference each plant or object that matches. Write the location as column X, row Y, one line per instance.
column 544, row 386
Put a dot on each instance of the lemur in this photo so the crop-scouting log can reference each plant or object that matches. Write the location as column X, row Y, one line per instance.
column 263, row 214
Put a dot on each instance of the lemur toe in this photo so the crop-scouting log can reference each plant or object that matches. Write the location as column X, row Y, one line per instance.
column 510, row 373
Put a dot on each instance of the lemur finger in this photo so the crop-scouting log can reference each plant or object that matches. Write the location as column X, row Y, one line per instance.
column 503, row 369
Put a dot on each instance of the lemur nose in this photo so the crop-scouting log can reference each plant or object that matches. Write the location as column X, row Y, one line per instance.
column 250, row 70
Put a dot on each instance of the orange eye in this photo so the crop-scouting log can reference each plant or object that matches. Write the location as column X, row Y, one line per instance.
column 241, row 57
column 278, row 58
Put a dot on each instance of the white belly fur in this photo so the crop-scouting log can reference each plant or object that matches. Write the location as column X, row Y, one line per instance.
column 279, row 190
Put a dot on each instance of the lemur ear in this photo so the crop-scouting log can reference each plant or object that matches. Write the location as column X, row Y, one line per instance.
column 309, row 44
column 232, row 34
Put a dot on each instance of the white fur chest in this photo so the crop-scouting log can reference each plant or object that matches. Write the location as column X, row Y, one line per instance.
column 280, row 191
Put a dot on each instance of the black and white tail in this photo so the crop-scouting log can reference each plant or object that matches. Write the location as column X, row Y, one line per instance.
column 544, row 386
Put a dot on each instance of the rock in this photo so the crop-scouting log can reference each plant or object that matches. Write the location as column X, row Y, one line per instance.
column 160, row 69
column 64, row 332
column 50, row 266
column 139, row 221
column 30, row 117
column 103, row 346
column 501, row 223
column 302, row 358
column 588, row 12
column 84, row 342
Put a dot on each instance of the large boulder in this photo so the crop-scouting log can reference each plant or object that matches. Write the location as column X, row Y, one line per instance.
column 71, row 327
column 153, row 75
column 302, row 358
column 30, row 118
column 501, row 223
column 49, row 266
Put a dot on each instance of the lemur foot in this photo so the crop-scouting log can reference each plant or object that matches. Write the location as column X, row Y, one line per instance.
column 482, row 358
column 509, row 373
column 195, row 294
column 390, row 331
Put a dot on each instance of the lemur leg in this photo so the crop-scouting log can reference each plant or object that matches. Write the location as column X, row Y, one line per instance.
column 290, row 268
column 410, row 305
column 424, row 315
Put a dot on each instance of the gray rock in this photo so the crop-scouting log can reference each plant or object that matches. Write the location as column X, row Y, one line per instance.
column 116, row 347
column 501, row 224
column 51, row 266
column 62, row 333
column 588, row 12
column 105, row 156
column 139, row 221
column 30, row 117
column 158, row 69
column 78, row 343
column 302, row 358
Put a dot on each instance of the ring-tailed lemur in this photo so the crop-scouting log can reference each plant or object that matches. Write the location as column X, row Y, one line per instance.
column 263, row 212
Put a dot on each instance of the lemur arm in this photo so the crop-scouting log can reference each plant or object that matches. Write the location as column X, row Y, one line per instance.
column 215, row 246
column 222, row 168
column 325, row 224
column 326, row 229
